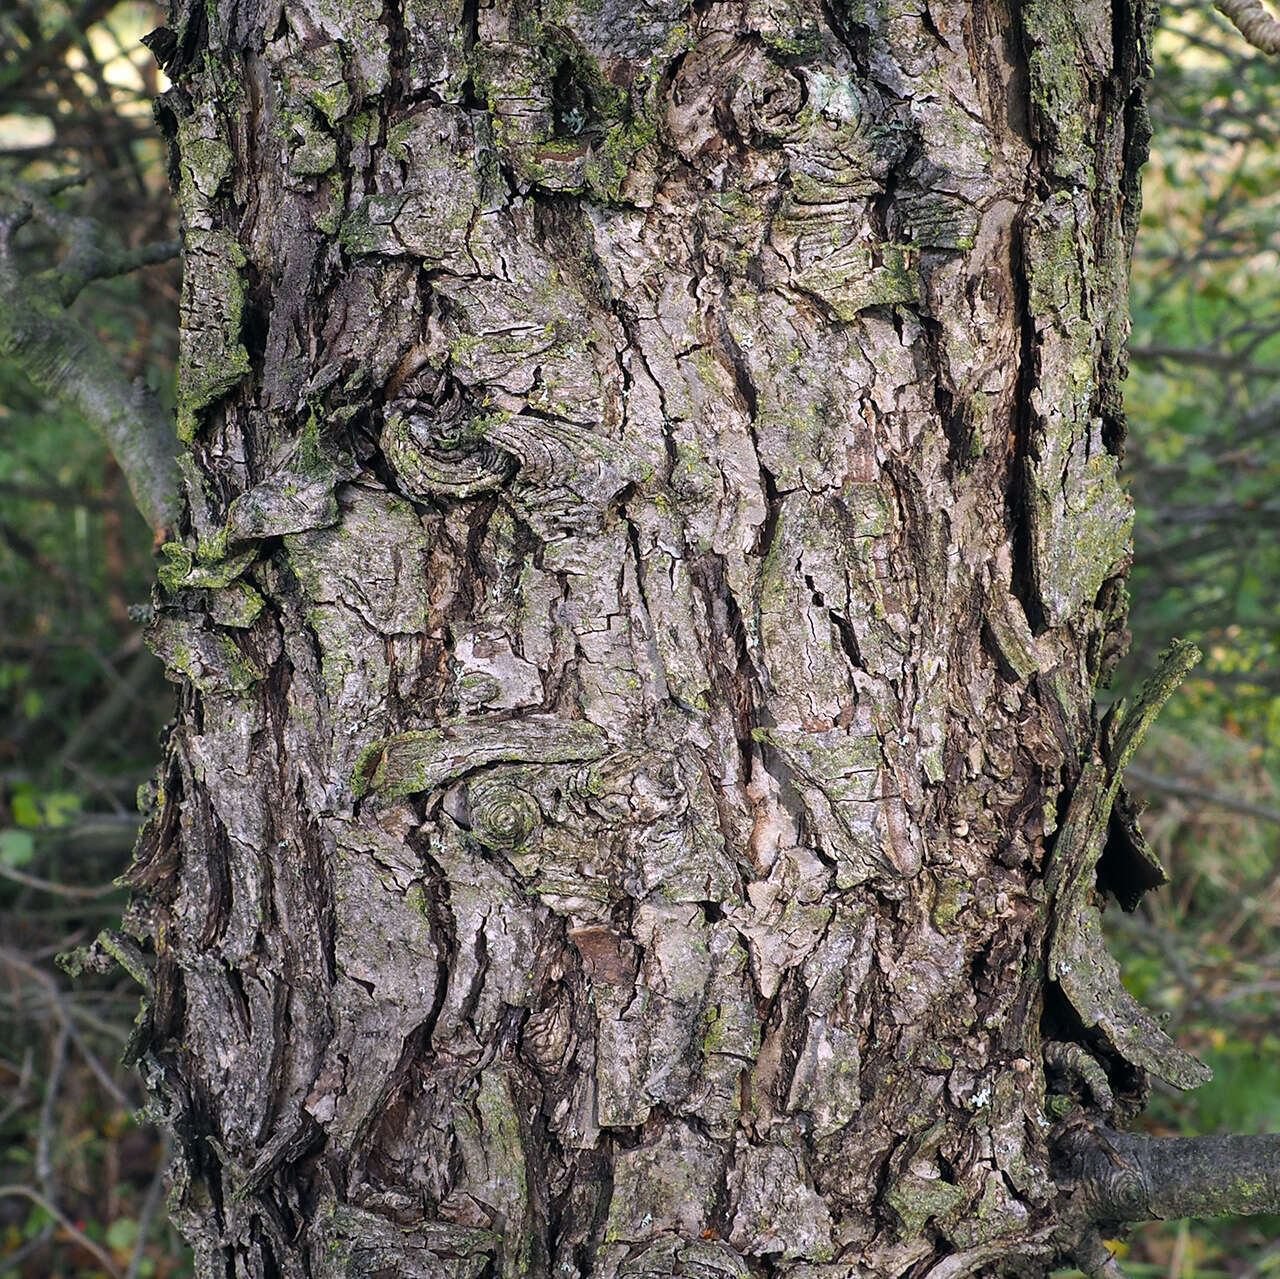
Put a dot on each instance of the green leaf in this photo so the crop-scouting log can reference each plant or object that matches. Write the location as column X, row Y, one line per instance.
column 49, row 808
column 122, row 1233
column 26, row 806
column 17, row 847
column 59, row 807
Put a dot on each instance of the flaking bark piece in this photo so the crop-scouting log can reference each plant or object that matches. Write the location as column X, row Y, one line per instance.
column 412, row 763
column 1078, row 957
column 1129, row 866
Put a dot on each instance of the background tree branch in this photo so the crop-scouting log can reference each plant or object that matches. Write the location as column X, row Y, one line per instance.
column 1253, row 22
column 63, row 359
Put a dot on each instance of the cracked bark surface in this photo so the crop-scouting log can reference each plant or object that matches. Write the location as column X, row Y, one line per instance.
column 654, row 537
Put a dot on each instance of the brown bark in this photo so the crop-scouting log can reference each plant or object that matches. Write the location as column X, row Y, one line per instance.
column 654, row 539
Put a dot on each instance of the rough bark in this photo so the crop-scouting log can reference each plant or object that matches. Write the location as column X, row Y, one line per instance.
column 654, row 539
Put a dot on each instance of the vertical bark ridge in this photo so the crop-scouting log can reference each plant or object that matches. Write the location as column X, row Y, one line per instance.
column 654, row 533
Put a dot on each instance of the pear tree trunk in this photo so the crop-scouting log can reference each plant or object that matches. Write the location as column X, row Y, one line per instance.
column 636, row 805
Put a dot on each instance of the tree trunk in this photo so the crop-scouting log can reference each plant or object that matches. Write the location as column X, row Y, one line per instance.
column 654, row 536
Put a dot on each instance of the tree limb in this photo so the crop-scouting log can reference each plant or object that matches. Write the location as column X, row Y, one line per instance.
column 1129, row 1177
column 61, row 358
column 1253, row 22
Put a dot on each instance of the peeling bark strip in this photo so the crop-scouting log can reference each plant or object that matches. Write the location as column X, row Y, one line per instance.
column 654, row 536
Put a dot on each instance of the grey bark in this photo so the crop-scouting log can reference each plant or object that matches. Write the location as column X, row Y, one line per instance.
column 654, row 538
column 1129, row 1177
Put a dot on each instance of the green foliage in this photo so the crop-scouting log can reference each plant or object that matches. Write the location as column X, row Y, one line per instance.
column 17, row 847
column 1245, row 1093
column 81, row 701
column 1203, row 398
column 1203, row 402
column 42, row 808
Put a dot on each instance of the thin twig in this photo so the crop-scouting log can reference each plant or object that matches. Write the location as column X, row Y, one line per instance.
column 44, row 1132
column 31, row 1193
column 1184, row 790
column 60, row 890
column 149, row 1205
column 66, row 1016
column 18, row 1098
column 142, row 670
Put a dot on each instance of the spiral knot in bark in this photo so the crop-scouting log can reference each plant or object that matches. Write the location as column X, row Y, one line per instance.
column 502, row 815
column 436, row 446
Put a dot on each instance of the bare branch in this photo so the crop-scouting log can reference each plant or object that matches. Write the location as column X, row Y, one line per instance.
column 155, row 1194
column 1253, row 22
column 48, row 1107
column 60, row 357
column 61, row 890
column 1184, row 790
column 1129, row 1177
column 93, row 261
column 30, row 1192
column 1208, row 358
column 90, row 256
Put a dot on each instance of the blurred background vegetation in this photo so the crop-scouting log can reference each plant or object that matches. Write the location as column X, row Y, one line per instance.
column 83, row 704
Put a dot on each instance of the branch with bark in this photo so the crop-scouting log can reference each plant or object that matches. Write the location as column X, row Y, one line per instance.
column 1113, row 1179
column 63, row 359
column 1251, row 19
column 1129, row 1177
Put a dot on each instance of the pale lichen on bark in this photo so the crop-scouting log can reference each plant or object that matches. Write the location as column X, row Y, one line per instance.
column 666, row 462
